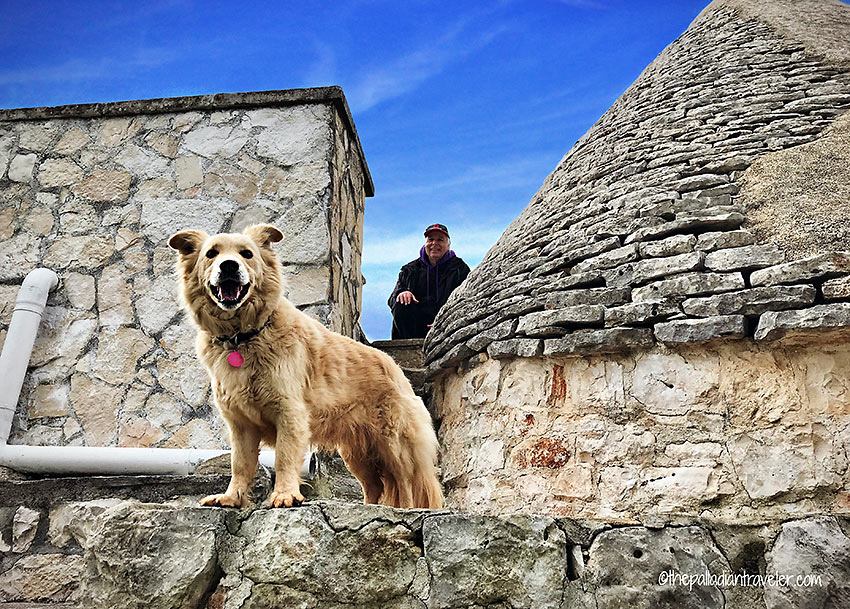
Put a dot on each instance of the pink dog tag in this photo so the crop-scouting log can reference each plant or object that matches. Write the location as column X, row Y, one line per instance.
column 235, row 359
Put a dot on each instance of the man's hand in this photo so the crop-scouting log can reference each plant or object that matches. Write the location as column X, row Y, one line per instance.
column 406, row 298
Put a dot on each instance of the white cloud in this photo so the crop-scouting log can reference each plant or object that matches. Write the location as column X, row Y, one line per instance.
column 470, row 243
column 406, row 73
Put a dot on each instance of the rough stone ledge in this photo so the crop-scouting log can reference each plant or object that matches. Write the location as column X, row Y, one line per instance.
column 778, row 324
column 327, row 554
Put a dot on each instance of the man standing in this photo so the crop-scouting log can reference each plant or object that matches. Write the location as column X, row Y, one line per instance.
column 424, row 284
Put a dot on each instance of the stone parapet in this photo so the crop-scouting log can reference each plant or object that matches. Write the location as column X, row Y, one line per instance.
column 93, row 192
column 328, row 554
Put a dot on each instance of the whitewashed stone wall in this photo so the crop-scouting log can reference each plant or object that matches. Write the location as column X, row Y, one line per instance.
column 95, row 198
column 733, row 430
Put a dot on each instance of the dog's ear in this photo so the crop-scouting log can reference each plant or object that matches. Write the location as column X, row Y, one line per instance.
column 188, row 242
column 264, row 234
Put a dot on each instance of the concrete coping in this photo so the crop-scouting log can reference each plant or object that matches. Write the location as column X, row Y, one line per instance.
column 217, row 101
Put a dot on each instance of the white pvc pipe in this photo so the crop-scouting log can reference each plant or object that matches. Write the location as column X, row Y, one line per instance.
column 115, row 461
column 29, row 307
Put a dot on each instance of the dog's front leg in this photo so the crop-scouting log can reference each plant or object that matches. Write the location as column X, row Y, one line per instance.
column 289, row 450
column 245, row 439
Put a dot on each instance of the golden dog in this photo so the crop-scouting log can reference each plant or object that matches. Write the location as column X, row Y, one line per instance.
column 280, row 377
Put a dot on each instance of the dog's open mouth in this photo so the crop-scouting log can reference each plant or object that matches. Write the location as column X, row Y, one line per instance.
column 229, row 293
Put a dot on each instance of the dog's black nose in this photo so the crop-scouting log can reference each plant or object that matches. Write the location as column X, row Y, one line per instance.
column 229, row 267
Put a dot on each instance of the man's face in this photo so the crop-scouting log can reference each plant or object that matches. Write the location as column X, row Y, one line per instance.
column 436, row 245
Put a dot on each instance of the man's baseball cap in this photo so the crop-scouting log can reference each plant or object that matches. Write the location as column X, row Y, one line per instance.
column 437, row 227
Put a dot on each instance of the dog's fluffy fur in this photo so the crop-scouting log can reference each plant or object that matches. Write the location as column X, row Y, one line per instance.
column 300, row 382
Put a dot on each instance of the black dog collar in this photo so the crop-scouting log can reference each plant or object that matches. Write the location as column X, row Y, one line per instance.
column 242, row 337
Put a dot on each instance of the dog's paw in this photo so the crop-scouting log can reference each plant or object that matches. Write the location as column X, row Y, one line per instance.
column 278, row 499
column 223, row 500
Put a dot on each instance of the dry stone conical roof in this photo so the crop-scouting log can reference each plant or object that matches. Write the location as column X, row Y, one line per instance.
column 711, row 200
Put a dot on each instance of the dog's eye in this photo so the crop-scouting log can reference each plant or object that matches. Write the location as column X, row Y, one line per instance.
column 246, row 254
column 212, row 253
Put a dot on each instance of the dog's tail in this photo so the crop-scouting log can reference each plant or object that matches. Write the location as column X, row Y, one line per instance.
column 425, row 486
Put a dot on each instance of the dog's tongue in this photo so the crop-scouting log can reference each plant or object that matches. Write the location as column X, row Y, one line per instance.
column 230, row 290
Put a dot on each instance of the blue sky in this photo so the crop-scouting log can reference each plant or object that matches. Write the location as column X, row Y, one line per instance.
column 463, row 108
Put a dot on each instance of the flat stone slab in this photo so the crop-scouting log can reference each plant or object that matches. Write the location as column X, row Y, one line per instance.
column 701, row 330
column 599, row 341
column 774, row 325
column 815, row 267
column 751, row 302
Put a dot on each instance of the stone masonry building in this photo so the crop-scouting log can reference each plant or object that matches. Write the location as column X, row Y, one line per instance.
column 94, row 191
column 664, row 328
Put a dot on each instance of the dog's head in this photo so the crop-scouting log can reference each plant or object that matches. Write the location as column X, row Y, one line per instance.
column 235, row 273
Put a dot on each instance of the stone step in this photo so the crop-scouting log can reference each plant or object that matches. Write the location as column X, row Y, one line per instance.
column 407, row 353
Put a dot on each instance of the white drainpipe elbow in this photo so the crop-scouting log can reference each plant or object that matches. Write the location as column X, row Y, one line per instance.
column 29, row 307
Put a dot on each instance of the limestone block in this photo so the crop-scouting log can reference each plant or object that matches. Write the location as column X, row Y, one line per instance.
column 289, row 182
column 482, row 386
column 827, row 381
column 37, row 136
column 78, row 218
column 466, row 559
column 21, row 168
column 754, row 301
column 515, row 347
column 301, row 134
column 49, row 401
column 114, row 131
column 579, row 315
column 185, row 121
column 24, row 528
column 151, row 556
column 253, row 214
column 837, row 289
column 163, row 143
column 59, row 172
column 39, row 221
column 105, row 187
column 598, row 341
column 799, row 463
column 222, row 141
column 482, row 339
column 88, row 251
column 709, row 242
column 225, row 180
column 744, row 258
column 707, row 222
column 690, row 453
column 156, row 188
column 163, row 411
column 42, row 577
column 195, row 434
column 295, row 549
column 155, row 302
column 74, row 522
column 814, row 267
column 21, row 255
column 775, row 325
column 7, row 217
column 308, row 285
column 73, row 139
column 161, row 218
column 689, row 284
column 672, row 487
column 307, row 240
column 183, row 377
column 189, row 172
column 118, row 352
column 114, row 298
column 251, row 164
column 641, row 313
column 816, row 549
column 671, row 246
column 96, row 405
column 574, row 482
column 611, row 258
column 673, row 385
column 143, row 163
column 701, row 330
column 625, row 565
column 135, row 431
column 636, row 273
column 63, row 337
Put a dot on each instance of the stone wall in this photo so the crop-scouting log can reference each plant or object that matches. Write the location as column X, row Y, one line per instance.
column 94, row 191
column 731, row 430
column 333, row 555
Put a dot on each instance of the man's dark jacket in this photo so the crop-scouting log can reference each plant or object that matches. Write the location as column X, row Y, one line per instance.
column 431, row 285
